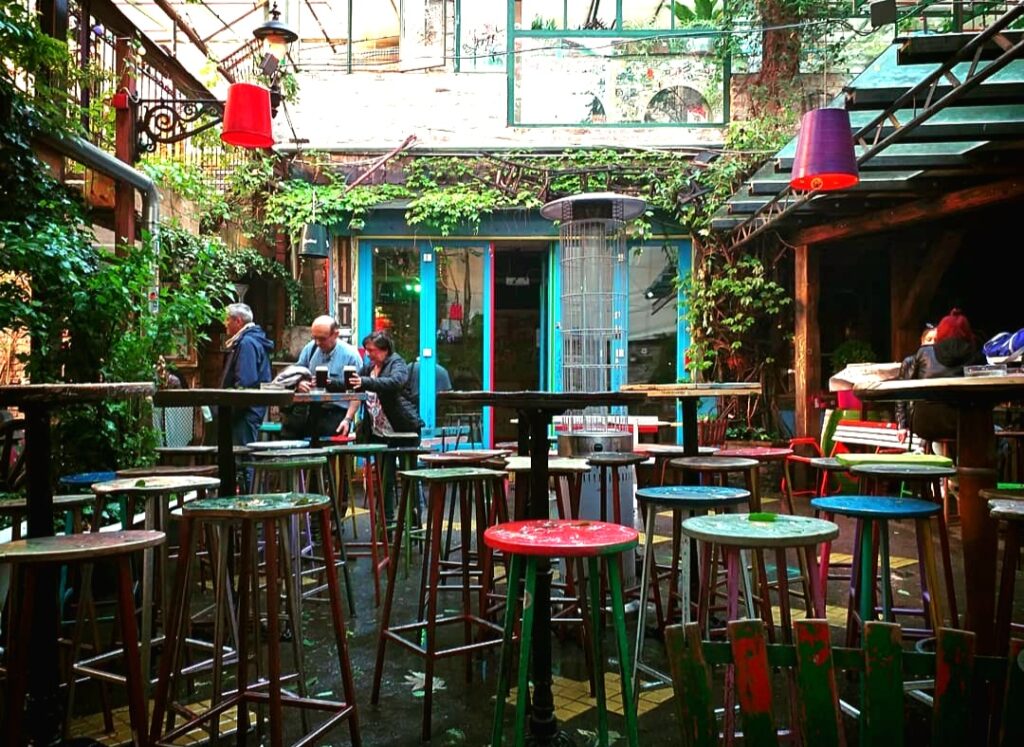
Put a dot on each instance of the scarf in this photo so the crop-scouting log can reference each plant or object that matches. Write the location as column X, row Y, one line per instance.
column 230, row 342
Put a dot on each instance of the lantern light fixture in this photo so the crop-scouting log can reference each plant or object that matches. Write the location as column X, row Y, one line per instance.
column 825, row 157
column 275, row 37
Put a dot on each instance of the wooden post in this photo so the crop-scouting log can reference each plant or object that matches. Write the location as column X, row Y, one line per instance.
column 124, row 149
column 807, row 341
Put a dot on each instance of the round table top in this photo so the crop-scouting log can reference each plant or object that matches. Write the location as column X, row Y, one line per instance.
column 284, row 460
column 713, row 463
column 664, row 451
column 694, row 496
column 877, row 506
column 561, row 537
column 169, row 470
column 60, row 503
column 556, row 465
column 615, row 458
column 760, row 453
column 185, row 450
column 146, row 485
column 19, row 395
column 443, row 474
column 740, row 531
column 287, row 453
column 261, row 506
column 1007, row 509
column 85, row 479
column 356, row 449
column 86, row 546
column 275, row 445
column 462, row 456
column 904, row 471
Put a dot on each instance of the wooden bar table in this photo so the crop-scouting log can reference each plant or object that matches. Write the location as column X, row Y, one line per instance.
column 44, row 713
column 536, row 410
column 225, row 400
column 689, row 395
column 974, row 398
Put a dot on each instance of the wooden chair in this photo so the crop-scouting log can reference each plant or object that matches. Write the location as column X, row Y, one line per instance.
column 959, row 714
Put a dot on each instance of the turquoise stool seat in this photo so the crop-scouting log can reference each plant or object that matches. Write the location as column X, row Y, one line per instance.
column 560, row 538
column 868, row 510
column 693, row 500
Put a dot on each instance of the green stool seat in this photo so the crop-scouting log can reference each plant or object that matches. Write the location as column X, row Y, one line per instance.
column 934, row 460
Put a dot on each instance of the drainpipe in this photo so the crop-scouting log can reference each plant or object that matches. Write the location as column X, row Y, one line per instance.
column 99, row 160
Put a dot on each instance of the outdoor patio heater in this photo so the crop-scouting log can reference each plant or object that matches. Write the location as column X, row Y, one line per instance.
column 592, row 327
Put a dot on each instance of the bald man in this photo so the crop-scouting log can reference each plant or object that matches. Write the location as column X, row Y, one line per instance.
column 326, row 349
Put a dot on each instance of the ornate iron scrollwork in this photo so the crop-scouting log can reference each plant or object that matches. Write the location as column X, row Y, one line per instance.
column 173, row 120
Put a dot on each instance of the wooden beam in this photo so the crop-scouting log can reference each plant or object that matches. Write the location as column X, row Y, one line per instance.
column 807, row 341
column 912, row 213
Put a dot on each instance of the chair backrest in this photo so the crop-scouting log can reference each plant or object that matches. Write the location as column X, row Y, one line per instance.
column 963, row 681
column 12, row 455
column 879, row 435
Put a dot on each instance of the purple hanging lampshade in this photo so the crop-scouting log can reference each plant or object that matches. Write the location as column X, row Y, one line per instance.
column 825, row 158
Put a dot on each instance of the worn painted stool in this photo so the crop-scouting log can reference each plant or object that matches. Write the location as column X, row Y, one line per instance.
column 407, row 458
column 554, row 538
column 25, row 556
column 869, row 511
column 925, row 482
column 342, row 459
column 465, row 481
column 693, row 500
column 1007, row 506
column 85, row 480
column 274, row 513
column 189, row 455
column 663, row 454
column 69, row 506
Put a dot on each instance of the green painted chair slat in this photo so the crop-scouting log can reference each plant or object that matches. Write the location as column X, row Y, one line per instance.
column 691, row 680
column 816, row 682
column 1011, row 730
column 954, row 667
column 882, row 688
column 753, row 682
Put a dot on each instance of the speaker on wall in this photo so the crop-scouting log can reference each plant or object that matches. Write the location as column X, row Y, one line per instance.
column 315, row 242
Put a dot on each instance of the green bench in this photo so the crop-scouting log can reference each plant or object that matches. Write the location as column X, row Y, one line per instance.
column 965, row 687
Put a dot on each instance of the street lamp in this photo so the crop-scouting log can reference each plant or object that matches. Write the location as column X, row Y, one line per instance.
column 246, row 114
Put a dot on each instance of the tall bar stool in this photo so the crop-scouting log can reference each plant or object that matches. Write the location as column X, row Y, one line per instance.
column 684, row 501
column 159, row 495
column 273, row 513
column 169, row 470
column 68, row 506
column 342, row 458
column 187, row 455
column 558, row 538
column 469, row 481
column 663, row 454
column 25, row 556
column 875, row 510
column 925, row 482
column 1007, row 506
column 407, row 458
column 757, row 533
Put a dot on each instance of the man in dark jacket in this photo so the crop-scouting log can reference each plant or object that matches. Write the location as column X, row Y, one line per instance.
column 246, row 367
column 389, row 416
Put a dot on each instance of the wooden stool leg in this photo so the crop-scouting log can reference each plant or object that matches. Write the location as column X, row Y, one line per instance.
column 619, row 622
column 924, row 529
column 431, row 627
column 273, row 632
column 594, row 575
column 17, row 656
column 525, row 648
column 134, row 675
column 1011, row 560
column 507, row 644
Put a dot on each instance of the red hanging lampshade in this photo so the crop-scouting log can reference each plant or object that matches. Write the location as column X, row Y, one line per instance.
column 825, row 159
column 247, row 116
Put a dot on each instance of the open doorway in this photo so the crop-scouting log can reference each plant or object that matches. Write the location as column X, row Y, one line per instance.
column 519, row 290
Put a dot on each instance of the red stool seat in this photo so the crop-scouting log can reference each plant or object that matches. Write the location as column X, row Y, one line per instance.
column 563, row 538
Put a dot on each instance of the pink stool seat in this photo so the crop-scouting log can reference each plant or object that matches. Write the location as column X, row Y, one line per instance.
column 561, row 538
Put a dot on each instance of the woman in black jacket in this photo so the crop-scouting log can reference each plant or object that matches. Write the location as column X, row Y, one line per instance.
column 389, row 416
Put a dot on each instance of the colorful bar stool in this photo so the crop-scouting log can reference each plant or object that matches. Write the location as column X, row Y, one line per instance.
column 466, row 481
column 25, row 557
column 273, row 513
column 924, row 482
column 1007, row 506
column 692, row 500
column 871, row 510
column 556, row 538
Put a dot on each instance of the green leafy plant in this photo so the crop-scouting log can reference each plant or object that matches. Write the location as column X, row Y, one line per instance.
column 852, row 351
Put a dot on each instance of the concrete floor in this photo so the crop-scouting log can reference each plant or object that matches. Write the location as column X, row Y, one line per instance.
column 462, row 710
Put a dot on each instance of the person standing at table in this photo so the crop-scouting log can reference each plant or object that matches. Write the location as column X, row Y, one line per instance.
column 389, row 416
column 247, row 366
column 327, row 349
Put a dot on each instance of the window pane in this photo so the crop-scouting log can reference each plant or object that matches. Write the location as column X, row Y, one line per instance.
column 653, row 313
column 396, row 297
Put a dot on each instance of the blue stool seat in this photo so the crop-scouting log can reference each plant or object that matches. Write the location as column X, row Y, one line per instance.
column 876, row 507
column 86, row 479
column 872, row 511
column 694, row 496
